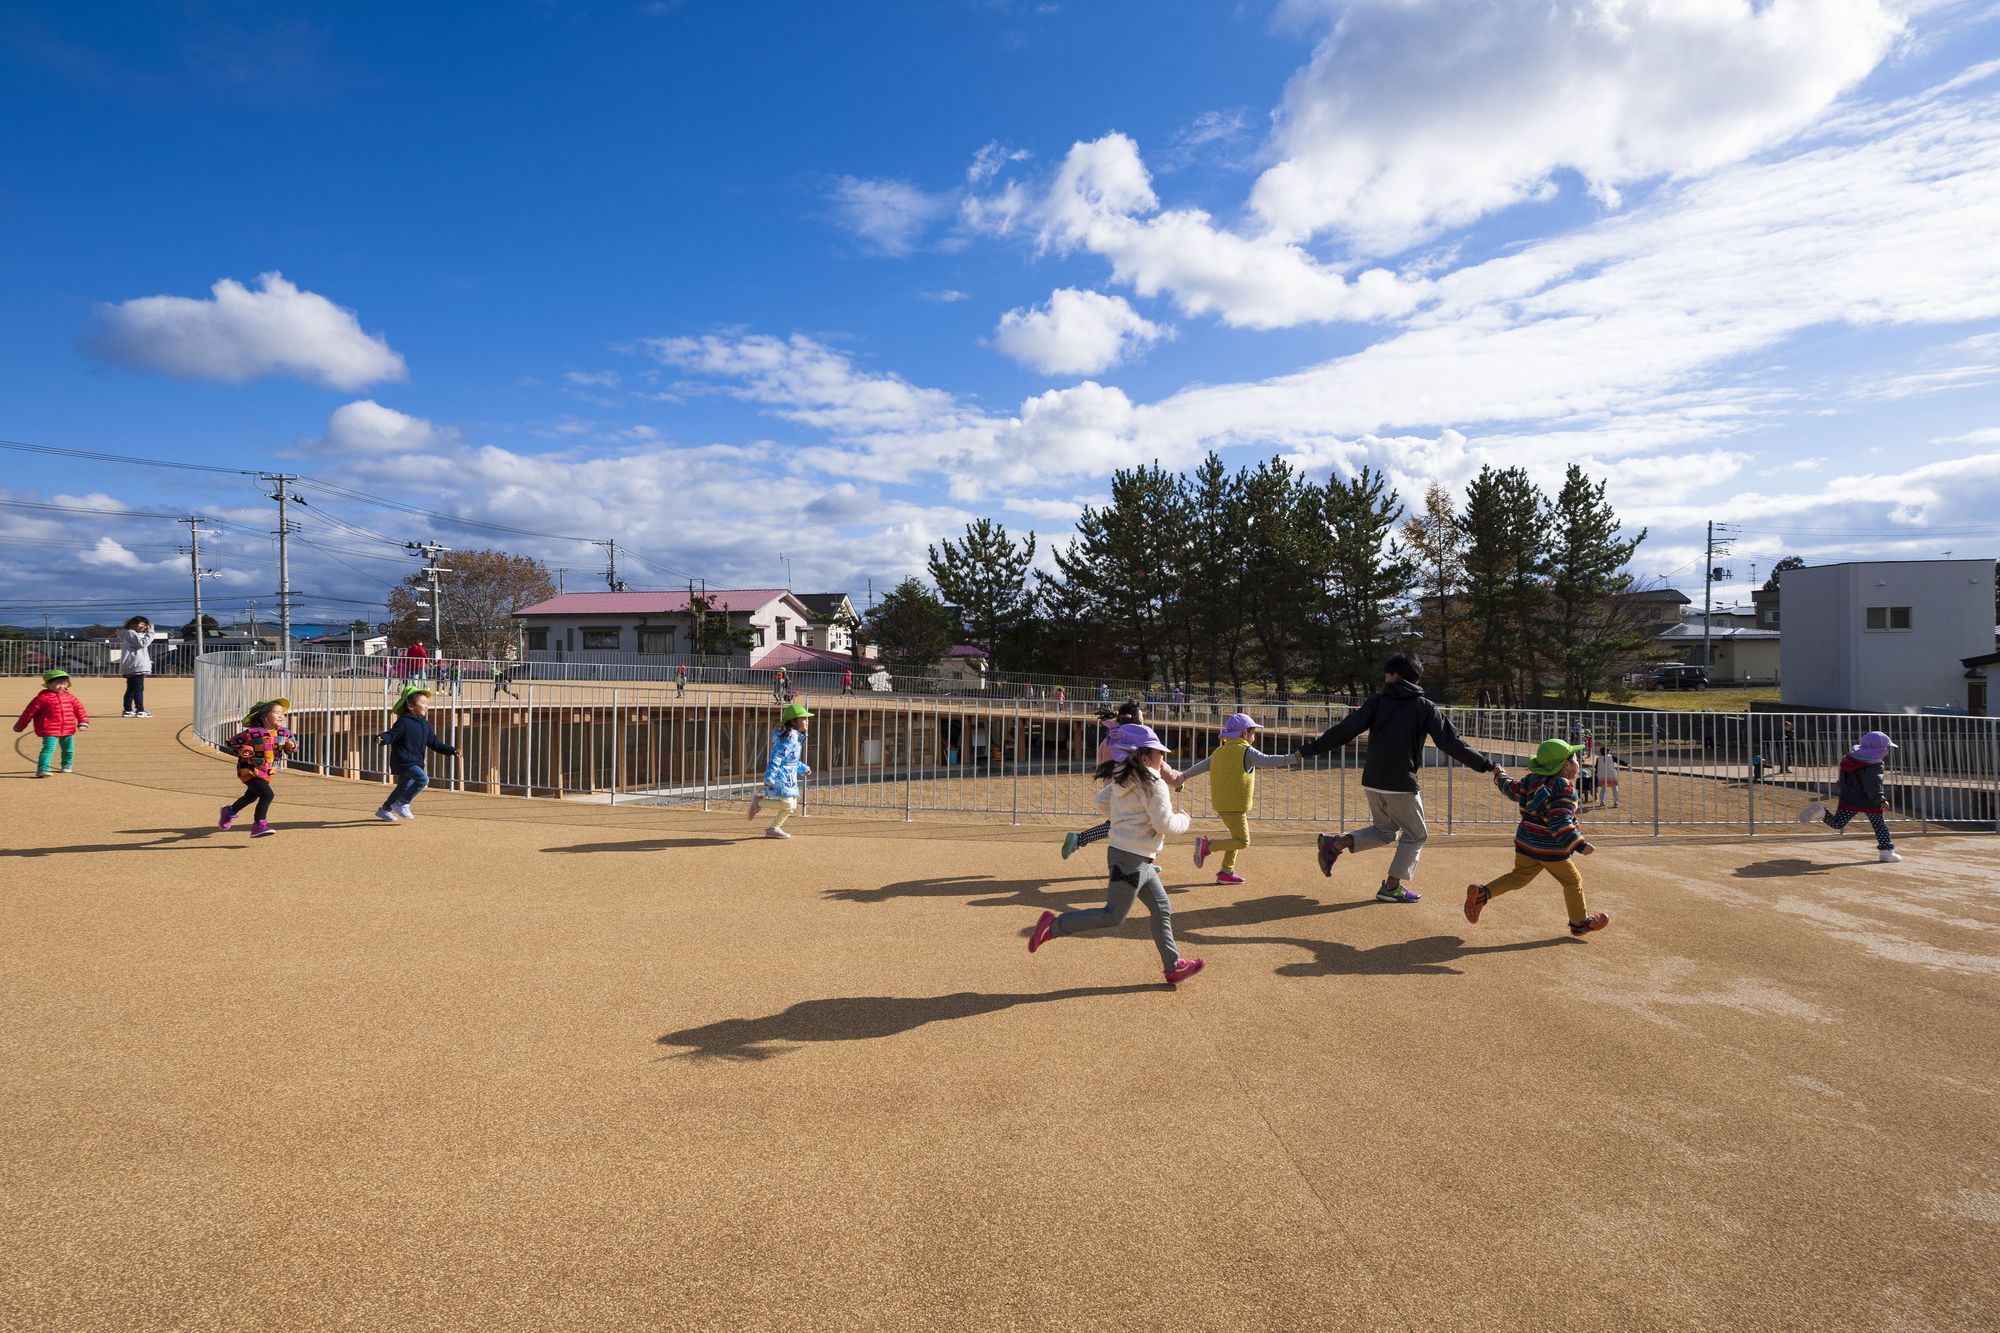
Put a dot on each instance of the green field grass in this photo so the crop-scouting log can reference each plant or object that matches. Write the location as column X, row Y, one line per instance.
column 1695, row 701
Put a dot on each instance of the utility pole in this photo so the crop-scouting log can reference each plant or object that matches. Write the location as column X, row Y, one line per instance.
column 611, row 569
column 194, row 523
column 1710, row 572
column 434, row 573
column 788, row 570
column 283, row 495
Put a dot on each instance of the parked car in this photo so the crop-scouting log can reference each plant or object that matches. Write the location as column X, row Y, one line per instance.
column 1677, row 677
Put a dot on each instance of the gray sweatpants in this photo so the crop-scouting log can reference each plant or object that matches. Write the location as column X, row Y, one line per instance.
column 1394, row 817
column 1132, row 877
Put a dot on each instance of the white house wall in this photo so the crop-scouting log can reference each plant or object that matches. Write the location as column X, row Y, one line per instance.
column 1832, row 660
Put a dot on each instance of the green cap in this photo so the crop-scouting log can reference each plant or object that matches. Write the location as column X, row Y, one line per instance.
column 54, row 674
column 793, row 712
column 261, row 705
column 409, row 692
column 1550, row 756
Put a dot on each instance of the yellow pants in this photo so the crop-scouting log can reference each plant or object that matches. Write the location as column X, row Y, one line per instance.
column 1238, row 839
column 1527, row 867
column 783, row 805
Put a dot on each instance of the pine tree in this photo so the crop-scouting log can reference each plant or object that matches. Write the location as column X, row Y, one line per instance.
column 986, row 578
column 1585, row 637
column 1287, row 560
column 1437, row 548
column 913, row 628
column 1213, row 582
column 1505, row 532
column 1371, row 574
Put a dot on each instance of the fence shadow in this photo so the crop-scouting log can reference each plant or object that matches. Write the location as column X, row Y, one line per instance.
column 647, row 845
column 856, row 1018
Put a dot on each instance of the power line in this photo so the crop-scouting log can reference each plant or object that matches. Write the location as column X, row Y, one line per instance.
column 79, row 509
column 20, row 446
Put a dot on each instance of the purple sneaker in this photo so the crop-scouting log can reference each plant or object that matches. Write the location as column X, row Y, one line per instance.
column 227, row 818
column 261, row 829
column 1329, row 852
column 1397, row 893
column 1200, row 852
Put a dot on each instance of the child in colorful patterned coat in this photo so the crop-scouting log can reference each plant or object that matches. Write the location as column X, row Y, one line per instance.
column 57, row 716
column 260, row 749
column 1546, row 837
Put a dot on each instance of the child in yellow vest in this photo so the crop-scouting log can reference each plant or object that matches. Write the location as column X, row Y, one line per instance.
column 1232, row 790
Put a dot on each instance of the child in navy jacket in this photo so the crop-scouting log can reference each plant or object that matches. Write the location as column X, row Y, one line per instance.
column 408, row 740
column 1861, row 793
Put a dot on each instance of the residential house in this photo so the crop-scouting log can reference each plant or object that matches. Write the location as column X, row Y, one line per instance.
column 353, row 642
column 828, row 627
column 657, row 628
column 1885, row 635
column 1765, row 602
column 1740, row 654
column 964, row 665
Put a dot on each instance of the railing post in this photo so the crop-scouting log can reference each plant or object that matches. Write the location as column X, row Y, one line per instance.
column 1993, row 758
column 707, row 744
column 1923, row 779
column 617, row 733
column 1656, row 725
column 909, row 756
column 1750, row 787
column 1014, row 764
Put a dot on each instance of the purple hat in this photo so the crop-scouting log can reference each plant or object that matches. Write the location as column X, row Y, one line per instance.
column 1874, row 748
column 1239, row 724
column 1135, row 736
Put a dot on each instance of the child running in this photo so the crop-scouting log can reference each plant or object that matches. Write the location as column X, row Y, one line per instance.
column 783, row 769
column 1860, row 793
column 1232, row 790
column 1397, row 720
column 408, row 738
column 260, row 750
column 57, row 716
column 1107, row 722
column 1546, row 837
column 1142, row 817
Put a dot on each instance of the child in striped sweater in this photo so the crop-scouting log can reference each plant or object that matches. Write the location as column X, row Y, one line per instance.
column 1546, row 837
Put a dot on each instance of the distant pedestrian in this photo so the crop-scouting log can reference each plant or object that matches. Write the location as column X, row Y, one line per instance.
column 260, row 747
column 847, row 681
column 1861, row 792
column 1607, row 779
column 57, row 715
column 1397, row 721
column 680, row 680
column 1062, row 695
column 1103, row 693
column 778, row 686
column 503, row 681
column 1143, row 817
column 1756, row 768
column 1788, row 741
column 135, row 663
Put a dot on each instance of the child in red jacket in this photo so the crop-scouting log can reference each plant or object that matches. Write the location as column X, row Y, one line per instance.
column 58, row 715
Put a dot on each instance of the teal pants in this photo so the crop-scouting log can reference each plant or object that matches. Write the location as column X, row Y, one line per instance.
column 49, row 744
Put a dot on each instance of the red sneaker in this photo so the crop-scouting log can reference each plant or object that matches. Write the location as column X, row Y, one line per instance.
column 1182, row 970
column 1044, row 931
column 1200, row 852
column 1229, row 877
column 1595, row 921
column 1475, row 899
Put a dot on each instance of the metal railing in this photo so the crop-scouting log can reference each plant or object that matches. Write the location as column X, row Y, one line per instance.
column 921, row 756
column 86, row 657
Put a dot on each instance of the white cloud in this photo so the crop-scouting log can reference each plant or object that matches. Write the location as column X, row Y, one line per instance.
column 946, row 296
column 242, row 335
column 888, row 216
column 366, row 428
column 1989, row 436
column 1076, row 333
column 1059, row 511
column 991, row 160
column 1418, row 115
column 602, row 379
column 1102, row 201
column 1204, row 133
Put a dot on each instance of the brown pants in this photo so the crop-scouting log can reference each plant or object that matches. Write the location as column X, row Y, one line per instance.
column 1527, row 867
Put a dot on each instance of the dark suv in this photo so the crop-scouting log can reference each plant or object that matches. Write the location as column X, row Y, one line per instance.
column 1680, row 678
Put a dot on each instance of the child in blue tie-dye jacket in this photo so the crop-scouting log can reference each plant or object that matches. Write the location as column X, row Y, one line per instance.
column 784, row 768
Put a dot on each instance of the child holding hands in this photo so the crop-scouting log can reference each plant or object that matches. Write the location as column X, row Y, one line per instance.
column 1232, row 790
column 1546, row 837
column 1142, row 818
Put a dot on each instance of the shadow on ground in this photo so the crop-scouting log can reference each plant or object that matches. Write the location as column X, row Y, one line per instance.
column 647, row 845
column 856, row 1018
column 1786, row 867
column 206, row 837
column 990, row 892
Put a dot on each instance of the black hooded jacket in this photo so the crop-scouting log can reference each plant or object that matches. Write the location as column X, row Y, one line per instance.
column 1397, row 720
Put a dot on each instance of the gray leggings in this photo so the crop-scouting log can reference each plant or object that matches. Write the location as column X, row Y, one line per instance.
column 1132, row 877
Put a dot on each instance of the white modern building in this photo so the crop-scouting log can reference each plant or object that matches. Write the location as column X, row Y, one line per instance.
column 656, row 628
column 1886, row 635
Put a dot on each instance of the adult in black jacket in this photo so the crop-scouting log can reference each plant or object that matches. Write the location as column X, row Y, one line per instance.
column 1398, row 721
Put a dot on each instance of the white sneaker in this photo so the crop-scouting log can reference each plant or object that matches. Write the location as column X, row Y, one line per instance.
column 776, row 833
column 386, row 815
column 1812, row 814
column 1887, row 854
column 128, row 713
column 403, row 811
column 142, row 713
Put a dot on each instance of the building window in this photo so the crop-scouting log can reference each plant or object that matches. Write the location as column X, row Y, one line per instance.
column 538, row 640
column 781, row 629
column 657, row 641
column 1888, row 617
column 600, row 640
column 760, row 634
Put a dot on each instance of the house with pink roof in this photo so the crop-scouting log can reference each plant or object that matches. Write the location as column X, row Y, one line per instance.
column 657, row 628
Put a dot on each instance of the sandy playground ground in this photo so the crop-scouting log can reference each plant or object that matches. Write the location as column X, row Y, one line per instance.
column 527, row 1065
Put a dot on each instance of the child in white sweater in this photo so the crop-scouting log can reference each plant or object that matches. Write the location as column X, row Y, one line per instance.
column 1142, row 816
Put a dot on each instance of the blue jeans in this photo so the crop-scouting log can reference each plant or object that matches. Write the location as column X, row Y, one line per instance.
column 409, row 782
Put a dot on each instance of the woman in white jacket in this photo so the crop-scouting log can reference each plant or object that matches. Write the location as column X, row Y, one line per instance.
column 1142, row 816
column 135, row 663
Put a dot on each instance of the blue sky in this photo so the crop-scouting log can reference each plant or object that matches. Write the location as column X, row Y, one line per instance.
column 829, row 280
